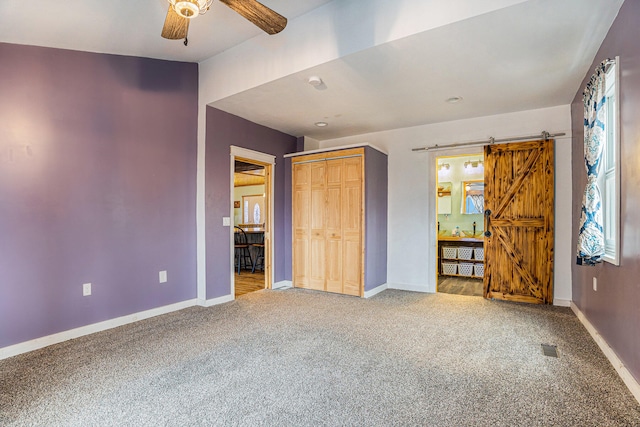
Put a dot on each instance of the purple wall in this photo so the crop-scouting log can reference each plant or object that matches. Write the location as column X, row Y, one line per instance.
column 614, row 310
column 376, row 179
column 97, row 184
column 224, row 130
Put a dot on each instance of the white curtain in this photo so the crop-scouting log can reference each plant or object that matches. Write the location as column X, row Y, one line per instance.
column 591, row 234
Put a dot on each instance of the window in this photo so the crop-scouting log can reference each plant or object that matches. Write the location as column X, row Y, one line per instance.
column 609, row 177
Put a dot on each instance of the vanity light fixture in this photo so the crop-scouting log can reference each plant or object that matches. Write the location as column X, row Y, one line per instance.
column 442, row 166
column 473, row 164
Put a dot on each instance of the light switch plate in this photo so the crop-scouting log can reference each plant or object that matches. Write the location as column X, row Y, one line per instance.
column 162, row 276
column 226, row 221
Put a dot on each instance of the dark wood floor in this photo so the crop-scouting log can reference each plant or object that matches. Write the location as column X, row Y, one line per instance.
column 460, row 285
column 247, row 282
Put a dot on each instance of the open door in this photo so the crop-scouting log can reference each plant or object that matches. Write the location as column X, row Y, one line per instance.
column 252, row 213
column 519, row 202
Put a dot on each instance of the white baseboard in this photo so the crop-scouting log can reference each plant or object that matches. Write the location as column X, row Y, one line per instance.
column 624, row 373
column 562, row 302
column 24, row 347
column 216, row 301
column 282, row 284
column 404, row 287
column 375, row 291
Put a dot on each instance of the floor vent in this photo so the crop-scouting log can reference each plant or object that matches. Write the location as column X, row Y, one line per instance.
column 550, row 350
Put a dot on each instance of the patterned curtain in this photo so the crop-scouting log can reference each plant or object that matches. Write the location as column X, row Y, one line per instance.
column 591, row 235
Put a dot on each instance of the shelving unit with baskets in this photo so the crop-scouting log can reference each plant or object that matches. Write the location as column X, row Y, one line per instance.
column 463, row 258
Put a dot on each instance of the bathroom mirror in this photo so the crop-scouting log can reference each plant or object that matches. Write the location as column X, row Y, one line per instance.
column 444, row 198
column 472, row 197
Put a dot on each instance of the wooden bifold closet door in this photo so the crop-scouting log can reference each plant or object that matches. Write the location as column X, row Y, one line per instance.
column 327, row 224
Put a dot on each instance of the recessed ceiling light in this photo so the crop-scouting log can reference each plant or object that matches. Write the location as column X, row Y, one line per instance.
column 321, row 124
column 454, row 99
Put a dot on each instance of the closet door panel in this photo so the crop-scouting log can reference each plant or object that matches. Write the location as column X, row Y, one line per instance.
column 352, row 196
column 300, row 264
column 334, row 265
column 301, row 220
column 317, row 248
column 352, row 271
column 352, row 209
column 334, row 225
column 317, row 264
column 334, row 172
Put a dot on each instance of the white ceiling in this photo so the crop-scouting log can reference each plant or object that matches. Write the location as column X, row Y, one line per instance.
column 527, row 56
column 523, row 57
column 131, row 27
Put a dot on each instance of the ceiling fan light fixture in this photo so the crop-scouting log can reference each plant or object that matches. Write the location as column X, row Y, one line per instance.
column 190, row 8
column 186, row 9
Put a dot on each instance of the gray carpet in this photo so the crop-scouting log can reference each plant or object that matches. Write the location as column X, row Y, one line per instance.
column 300, row 358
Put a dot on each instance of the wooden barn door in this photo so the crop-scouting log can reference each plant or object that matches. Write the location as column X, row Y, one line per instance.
column 519, row 200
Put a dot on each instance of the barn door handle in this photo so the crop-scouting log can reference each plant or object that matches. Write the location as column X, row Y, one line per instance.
column 487, row 214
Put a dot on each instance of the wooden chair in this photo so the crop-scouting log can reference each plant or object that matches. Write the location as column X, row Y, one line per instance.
column 242, row 252
column 259, row 254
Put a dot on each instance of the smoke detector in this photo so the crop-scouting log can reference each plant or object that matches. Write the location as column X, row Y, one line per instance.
column 314, row 81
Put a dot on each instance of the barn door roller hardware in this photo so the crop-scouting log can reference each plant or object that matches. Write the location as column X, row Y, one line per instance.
column 544, row 135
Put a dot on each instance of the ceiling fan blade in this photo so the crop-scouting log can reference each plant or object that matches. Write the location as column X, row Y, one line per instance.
column 175, row 26
column 266, row 19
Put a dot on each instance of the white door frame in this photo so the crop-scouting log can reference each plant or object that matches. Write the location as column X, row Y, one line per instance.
column 432, row 180
column 245, row 153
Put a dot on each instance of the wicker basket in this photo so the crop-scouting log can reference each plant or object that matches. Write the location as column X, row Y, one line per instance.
column 478, row 253
column 465, row 252
column 478, row 270
column 449, row 252
column 465, row 269
column 449, row 268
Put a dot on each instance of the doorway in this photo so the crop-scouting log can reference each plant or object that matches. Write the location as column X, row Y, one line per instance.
column 460, row 224
column 251, row 221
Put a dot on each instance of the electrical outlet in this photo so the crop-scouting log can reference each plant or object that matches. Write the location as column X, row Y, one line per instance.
column 86, row 289
column 162, row 276
column 595, row 283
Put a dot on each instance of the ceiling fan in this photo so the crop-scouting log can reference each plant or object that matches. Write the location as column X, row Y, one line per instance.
column 180, row 12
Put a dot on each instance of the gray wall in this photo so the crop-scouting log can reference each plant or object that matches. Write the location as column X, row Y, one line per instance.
column 376, row 178
column 97, row 184
column 224, row 130
column 614, row 309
